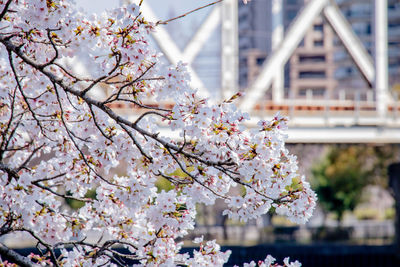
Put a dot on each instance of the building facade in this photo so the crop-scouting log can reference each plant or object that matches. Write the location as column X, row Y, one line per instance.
column 310, row 68
column 360, row 14
column 320, row 66
column 254, row 38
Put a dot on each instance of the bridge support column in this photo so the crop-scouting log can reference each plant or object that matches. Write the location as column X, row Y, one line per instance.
column 381, row 57
column 229, row 44
column 277, row 37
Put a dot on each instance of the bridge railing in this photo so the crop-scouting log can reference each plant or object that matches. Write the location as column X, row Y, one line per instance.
column 351, row 102
column 344, row 107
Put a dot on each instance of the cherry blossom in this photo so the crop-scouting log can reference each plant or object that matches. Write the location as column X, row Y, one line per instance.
column 270, row 262
column 62, row 136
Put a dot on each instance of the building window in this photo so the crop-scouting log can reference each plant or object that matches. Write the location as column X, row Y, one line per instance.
column 312, row 59
column 315, row 92
column 319, row 42
column 369, row 29
column 349, row 70
column 292, row 2
column 260, row 60
column 319, row 27
column 312, row 74
column 291, row 14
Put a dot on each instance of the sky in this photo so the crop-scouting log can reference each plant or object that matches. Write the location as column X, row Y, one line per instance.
column 97, row 6
column 207, row 64
column 163, row 8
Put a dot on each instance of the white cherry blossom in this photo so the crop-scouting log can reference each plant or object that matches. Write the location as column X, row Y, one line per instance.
column 60, row 141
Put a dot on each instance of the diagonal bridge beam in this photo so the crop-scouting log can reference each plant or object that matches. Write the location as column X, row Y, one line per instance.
column 174, row 54
column 292, row 39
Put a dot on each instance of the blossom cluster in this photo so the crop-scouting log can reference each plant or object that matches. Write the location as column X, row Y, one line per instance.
column 60, row 138
column 270, row 262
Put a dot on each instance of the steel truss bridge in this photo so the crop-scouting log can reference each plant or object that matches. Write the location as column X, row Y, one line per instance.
column 371, row 118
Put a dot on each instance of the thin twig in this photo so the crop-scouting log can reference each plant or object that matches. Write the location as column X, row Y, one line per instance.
column 135, row 142
column 41, row 241
column 97, row 124
column 77, row 79
column 28, row 159
column 22, row 91
column 143, row 105
column 192, row 176
column 62, row 195
column 109, row 99
column 49, row 178
column 117, row 64
column 149, row 113
column 8, row 127
column 71, row 137
column 187, row 13
column 51, row 61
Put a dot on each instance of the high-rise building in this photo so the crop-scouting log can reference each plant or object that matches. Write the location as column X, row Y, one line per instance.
column 394, row 42
column 321, row 64
column 310, row 68
column 311, row 65
column 254, row 38
column 360, row 15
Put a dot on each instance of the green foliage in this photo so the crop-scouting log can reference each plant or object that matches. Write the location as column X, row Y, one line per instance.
column 390, row 214
column 340, row 178
column 381, row 158
column 367, row 214
column 163, row 184
column 76, row 204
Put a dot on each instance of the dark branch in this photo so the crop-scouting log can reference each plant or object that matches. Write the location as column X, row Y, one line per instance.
column 117, row 64
column 15, row 257
column 5, row 9
column 119, row 119
column 11, row 172
column 116, row 95
column 3, row 141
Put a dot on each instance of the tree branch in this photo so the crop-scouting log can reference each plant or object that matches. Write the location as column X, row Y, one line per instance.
column 109, row 99
column 42, row 242
column 15, row 257
column 22, row 91
column 11, row 172
column 5, row 9
column 4, row 134
column 187, row 13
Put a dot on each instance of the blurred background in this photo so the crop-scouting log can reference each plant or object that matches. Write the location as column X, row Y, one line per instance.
column 333, row 67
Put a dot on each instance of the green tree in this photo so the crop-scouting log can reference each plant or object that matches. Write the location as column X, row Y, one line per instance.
column 340, row 178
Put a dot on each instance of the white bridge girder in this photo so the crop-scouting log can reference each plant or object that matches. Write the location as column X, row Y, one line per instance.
column 229, row 53
column 277, row 38
column 274, row 64
column 352, row 135
column 340, row 129
column 381, row 57
column 351, row 42
column 282, row 53
column 171, row 50
column 377, row 128
column 229, row 41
